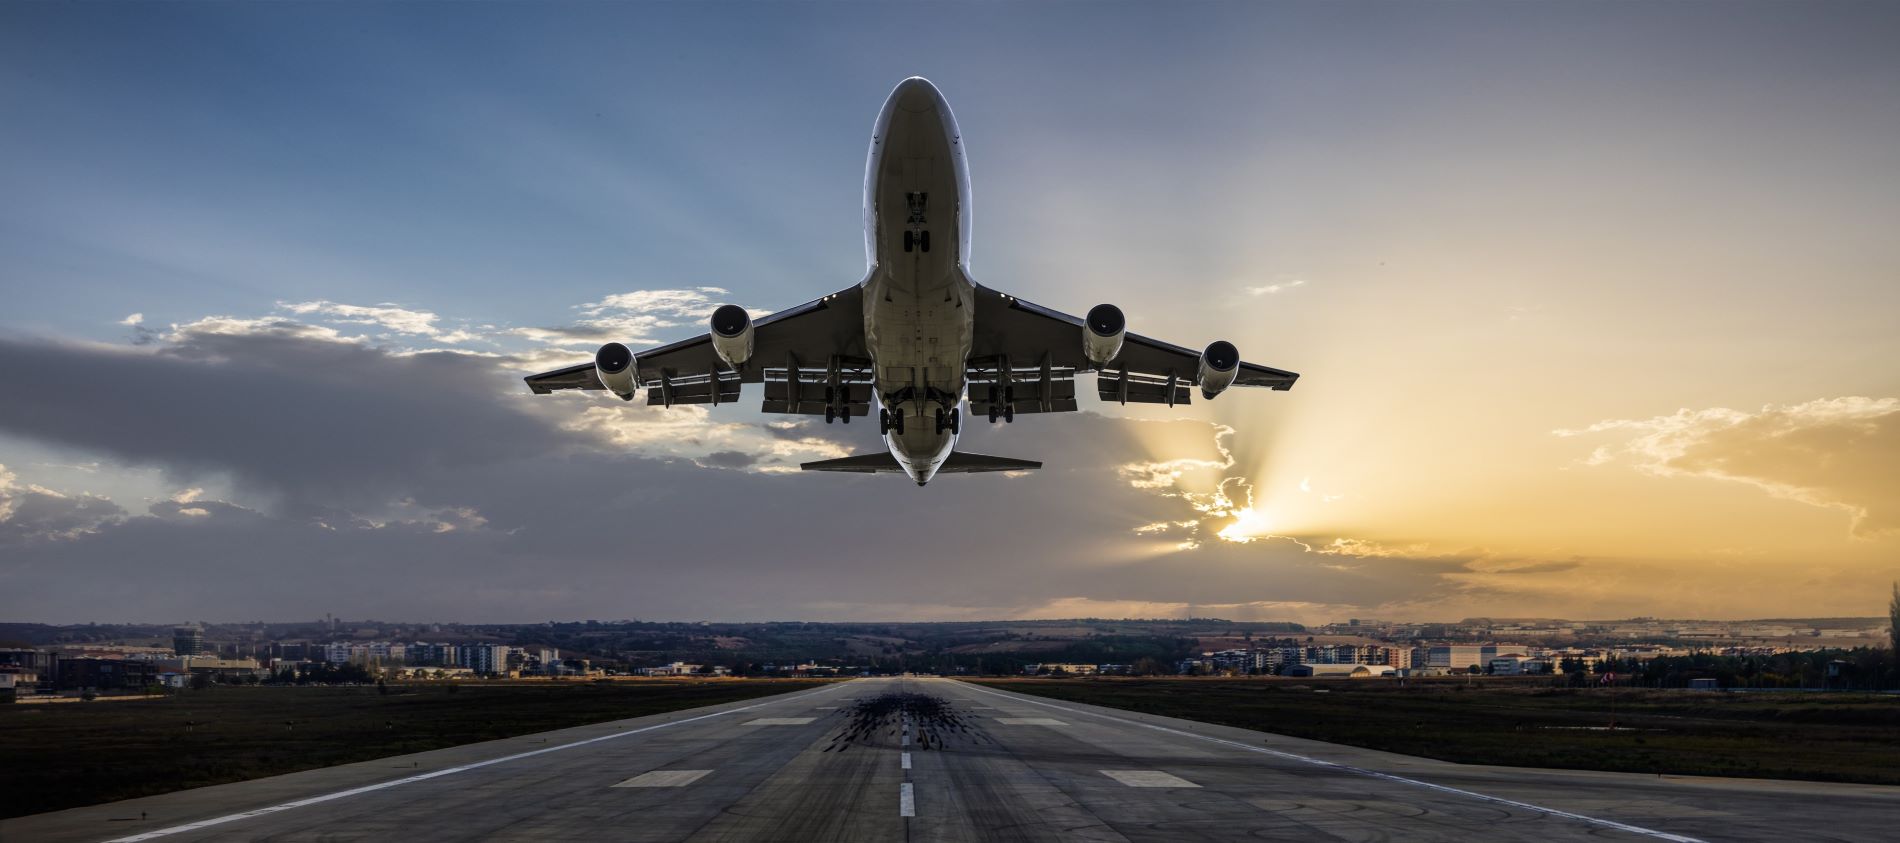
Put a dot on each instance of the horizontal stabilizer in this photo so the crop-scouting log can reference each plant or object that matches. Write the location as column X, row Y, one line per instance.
column 860, row 463
column 960, row 462
column 964, row 462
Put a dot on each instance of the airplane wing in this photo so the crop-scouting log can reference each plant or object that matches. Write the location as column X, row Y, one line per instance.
column 796, row 353
column 1021, row 343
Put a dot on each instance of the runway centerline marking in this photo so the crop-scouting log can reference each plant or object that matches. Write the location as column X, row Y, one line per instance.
column 1147, row 778
column 1291, row 756
column 779, row 721
column 446, row 771
column 906, row 801
column 905, row 760
column 665, row 778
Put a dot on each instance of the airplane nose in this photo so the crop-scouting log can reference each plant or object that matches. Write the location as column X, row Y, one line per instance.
column 916, row 94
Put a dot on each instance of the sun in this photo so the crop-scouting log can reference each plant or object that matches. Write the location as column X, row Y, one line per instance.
column 1249, row 524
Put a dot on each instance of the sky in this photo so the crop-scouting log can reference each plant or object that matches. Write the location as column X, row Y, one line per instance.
column 1596, row 307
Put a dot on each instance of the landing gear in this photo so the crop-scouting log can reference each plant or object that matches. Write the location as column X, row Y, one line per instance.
column 889, row 422
column 910, row 239
column 923, row 240
column 836, row 408
column 951, row 420
column 1006, row 412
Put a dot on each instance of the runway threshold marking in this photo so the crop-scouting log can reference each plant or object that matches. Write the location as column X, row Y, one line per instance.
column 446, row 771
column 665, row 778
column 779, row 721
column 1291, row 756
column 1147, row 778
column 906, row 800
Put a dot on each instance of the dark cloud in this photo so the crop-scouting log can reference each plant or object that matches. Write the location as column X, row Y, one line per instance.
column 431, row 485
column 729, row 459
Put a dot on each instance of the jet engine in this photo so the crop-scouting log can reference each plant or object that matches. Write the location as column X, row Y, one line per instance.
column 613, row 363
column 1219, row 364
column 1102, row 339
column 732, row 335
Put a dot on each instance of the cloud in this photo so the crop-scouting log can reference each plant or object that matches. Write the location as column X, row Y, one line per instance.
column 389, row 316
column 133, row 319
column 33, row 512
column 1841, row 453
column 1275, row 288
column 638, row 317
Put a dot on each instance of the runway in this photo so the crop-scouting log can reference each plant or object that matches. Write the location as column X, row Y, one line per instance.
column 936, row 759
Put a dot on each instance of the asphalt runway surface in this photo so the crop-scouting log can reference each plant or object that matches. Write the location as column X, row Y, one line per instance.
column 935, row 759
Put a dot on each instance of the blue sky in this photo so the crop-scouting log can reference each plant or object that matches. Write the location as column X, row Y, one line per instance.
column 1544, row 266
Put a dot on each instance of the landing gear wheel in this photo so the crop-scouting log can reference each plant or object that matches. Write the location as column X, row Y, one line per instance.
column 883, row 422
column 942, row 422
column 923, row 241
column 956, row 422
column 897, row 422
column 994, row 412
column 828, row 415
column 910, row 240
column 844, row 414
column 1009, row 414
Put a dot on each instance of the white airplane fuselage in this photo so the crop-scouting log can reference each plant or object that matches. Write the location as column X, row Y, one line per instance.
column 918, row 298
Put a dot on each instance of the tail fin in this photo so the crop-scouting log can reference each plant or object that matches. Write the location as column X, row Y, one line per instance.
column 960, row 462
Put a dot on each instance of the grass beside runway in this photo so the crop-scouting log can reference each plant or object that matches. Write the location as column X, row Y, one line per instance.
column 1841, row 737
column 65, row 756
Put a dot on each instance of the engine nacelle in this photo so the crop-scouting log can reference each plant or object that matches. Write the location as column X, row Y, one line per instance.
column 613, row 364
column 1219, row 364
column 732, row 335
column 1102, row 338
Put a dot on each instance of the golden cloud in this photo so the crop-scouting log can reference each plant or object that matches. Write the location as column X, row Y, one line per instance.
column 1841, row 453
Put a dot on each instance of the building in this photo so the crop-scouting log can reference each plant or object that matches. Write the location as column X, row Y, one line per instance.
column 106, row 674
column 674, row 669
column 486, row 659
column 1339, row 671
column 1053, row 668
column 1464, row 656
column 188, row 641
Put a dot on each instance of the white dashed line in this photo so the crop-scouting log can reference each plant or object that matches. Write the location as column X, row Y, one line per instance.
column 1147, row 778
column 447, row 771
column 905, row 760
column 779, row 721
column 665, row 778
column 906, row 801
column 1495, row 800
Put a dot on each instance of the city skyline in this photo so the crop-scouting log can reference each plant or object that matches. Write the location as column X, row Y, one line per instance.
column 1594, row 313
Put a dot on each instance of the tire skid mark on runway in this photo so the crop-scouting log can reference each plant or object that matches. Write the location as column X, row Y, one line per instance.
column 1290, row 756
column 447, row 771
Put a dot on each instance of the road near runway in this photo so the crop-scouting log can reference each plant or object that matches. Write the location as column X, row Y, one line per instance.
column 936, row 759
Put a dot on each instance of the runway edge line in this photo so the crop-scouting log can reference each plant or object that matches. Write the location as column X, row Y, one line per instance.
column 1496, row 800
column 371, row 788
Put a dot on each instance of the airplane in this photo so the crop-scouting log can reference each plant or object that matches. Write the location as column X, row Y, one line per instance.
column 918, row 335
